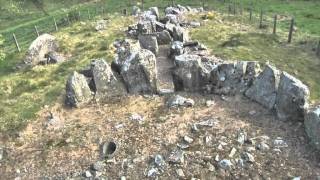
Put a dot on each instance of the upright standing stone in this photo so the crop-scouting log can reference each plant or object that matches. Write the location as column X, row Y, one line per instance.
column 180, row 34
column 155, row 11
column 292, row 98
column 77, row 90
column 149, row 42
column 189, row 73
column 264, row 88
column 164, row 37
column 106, row 83
column 312, row 126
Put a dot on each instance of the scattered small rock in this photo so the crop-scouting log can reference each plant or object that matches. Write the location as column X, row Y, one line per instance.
column 279, row 143
column 211, row 167
column 179, row 101
column 153, row 172
column 159, row 161
column 208, row 123
column 176, row 157
column 225, row 164
column 87, row 174
column 263, row 146
column 252, row 112
column 180, row 173
column 232, row 152
column 98, row 166
column 248, row 157
column 242, row 137
column 188, row 139
column 210, row 103
column 136, row 117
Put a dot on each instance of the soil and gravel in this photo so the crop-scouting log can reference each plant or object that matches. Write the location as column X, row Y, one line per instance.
column 64, row 143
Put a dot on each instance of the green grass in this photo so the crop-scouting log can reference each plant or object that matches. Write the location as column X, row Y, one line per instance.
column 233, row 41
column 24, row 93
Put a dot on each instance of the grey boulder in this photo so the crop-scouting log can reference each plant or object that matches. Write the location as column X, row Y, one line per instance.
column 136, row 10
column 264, row 88
column 164, row 37
column 176, row 48
column 39, row 48
column 232, row 78
column 77, row 90
column 149, row 42
column 106, row 83
column 137, row 67
column 179, row 101
column 53, row 58
column 292, row 98
column 155, row 11
column 189, row 73
column 312, row 125
column 180, row 34
column 146, row 27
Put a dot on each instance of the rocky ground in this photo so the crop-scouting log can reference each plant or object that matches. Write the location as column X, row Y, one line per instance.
column 218, row 138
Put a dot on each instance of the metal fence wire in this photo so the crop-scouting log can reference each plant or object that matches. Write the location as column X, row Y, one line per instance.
column 258, row 17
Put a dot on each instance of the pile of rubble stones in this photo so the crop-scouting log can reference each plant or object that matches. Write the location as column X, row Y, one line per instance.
column 134, row 71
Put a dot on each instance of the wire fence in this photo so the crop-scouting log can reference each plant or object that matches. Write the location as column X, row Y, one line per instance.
column 263, row 20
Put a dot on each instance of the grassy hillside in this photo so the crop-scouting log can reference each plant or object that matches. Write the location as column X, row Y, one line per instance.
column 23, row 93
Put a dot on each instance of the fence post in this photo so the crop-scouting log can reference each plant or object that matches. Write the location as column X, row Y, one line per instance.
column 234, row 7
column 125, row 12
column 16, row 42
column 172, row 3
column 261, row 18
column 203, row 4
column 55, row 24
column 68, row 19
column 79, row 15
column 291, row 31
column 142, row 5
column 36, row 29
column 318, row 49
column 250, row 16
column 229, row 12
column 89, row 16
column 275, row 24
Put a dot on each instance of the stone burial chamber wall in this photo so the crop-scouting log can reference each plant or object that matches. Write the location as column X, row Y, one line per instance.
column 134, row 71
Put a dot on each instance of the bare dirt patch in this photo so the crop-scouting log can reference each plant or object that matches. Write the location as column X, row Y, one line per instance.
column 69, row 147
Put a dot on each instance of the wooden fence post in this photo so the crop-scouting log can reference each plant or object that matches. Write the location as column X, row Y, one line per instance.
column 142, row 5
column 16, row 42
column 234, row 7
column 291, row 31
column 36, row 30
column 68, row 19
column 318, row 49
column 55, row 24
column 89, row 16
column 275, row 24
column 261, row 18
column 79, row 15
column 125, row 12
column 229, row 12
column 250, row 16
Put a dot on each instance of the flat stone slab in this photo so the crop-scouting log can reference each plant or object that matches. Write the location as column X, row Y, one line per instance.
column 164, row 66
